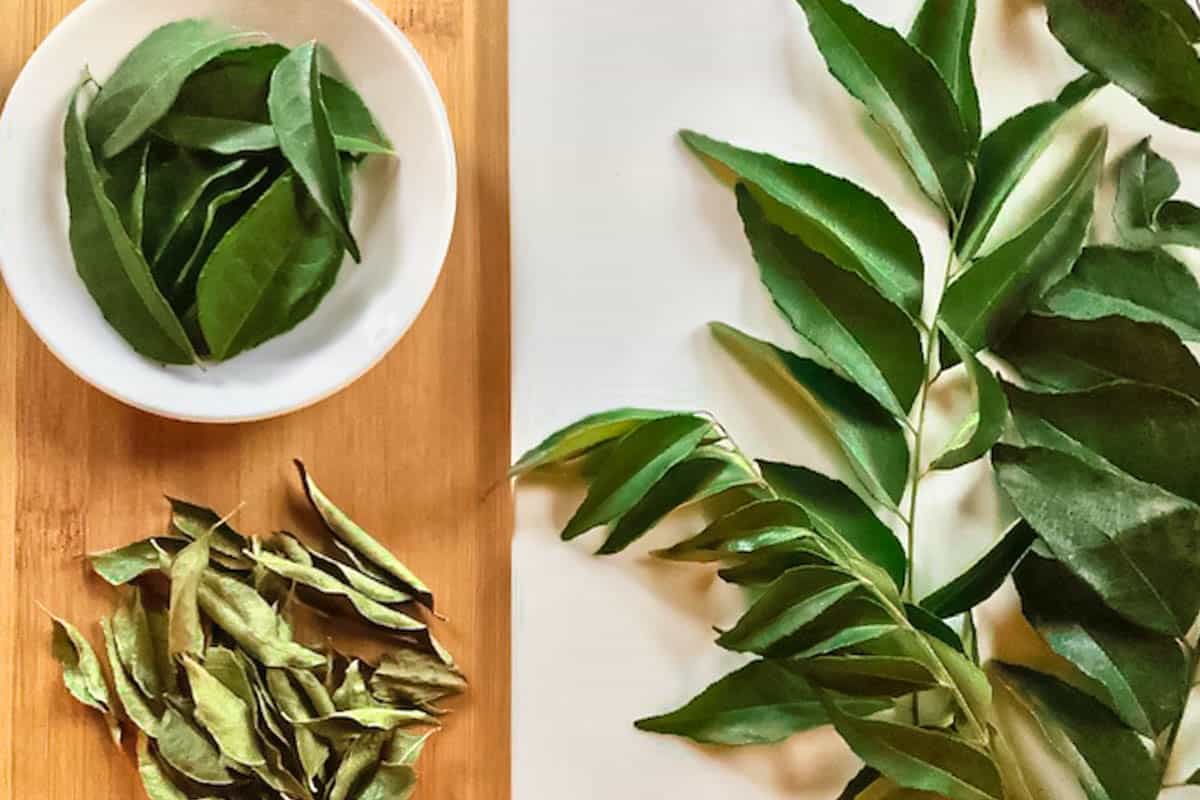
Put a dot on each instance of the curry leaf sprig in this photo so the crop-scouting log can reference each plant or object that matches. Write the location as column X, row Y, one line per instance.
column 209, row 184
column 1095, row 446
column 225, row 699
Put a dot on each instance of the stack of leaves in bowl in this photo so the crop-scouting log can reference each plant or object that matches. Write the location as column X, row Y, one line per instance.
column 209, row 184
column 226, row 701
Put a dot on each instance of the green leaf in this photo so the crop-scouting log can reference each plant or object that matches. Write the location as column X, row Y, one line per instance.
column 869, row 338
column 1144, row 430
column 762, row 567
column 125, row 184
column 186, row 630
column 1144, row 674
column 268, row 273
column 851, row 227
column 1112, row 763
column 110, row 264
column 584, row 436
column 134, row 639
column 136, row 706
column 869, row 675
column 361, row 543
column 224, row 715
column 796, row 599
column 148, row 81
column 354, row 129
column 220, row 215
column 370, row 610
column 1183, row 13
column 1137, row 47
column 155, row 780
column 81, row 671
column 180, row 187
column 1146, row 181
column 927, row 622
column 1076, row 355
column 408, row 676
column 123, row 565
column 919, row 759
column 1132, row 542
column 943, row 31
column 984, row 577
column 764, row 702
column 983, row 303
column 750, row 528
column 251, row 622
column 639, row 461
column 986, row 424
column 233, row 86
column 188, row 751
column 1147, row 286
column 301, row 123
column 903, row 92
column 870, row 437
column 836, row 510
column 1006, row 155
column 709, row 471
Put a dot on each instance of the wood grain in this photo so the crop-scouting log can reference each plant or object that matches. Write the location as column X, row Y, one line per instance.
column 416, row 451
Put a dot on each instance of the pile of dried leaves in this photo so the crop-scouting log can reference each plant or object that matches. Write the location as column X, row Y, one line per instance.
column 225, row 700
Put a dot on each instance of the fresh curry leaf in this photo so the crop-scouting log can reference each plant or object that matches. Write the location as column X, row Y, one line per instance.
column 986, row 423
column 943, row 31
column 984, row 577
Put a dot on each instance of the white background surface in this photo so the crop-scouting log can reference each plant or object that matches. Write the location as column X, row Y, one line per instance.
column 624, row 247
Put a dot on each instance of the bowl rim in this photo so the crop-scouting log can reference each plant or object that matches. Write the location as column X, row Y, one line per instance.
column 445, row 235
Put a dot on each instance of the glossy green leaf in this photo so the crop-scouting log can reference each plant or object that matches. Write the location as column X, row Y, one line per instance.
column 986, row 423
column 1144, row 674
column 148, row 81
column 134, row 639
column 851, row 227
column 1182, row 13
column 355, row 130
column 1112, row 763
column 301, row 123
column 110, row 264
column 1006, row 155
column 125, row 184
column 186, row 629
column 268, row 273
column 81, row 671
column 903, row 92
column 224, row 715
column 870, row 437
column 926, row 621
column 943, row 31
column 1147, row 286
column 189, row 751
column 924, row 760
column 357, row 540
column 136, row 706
column 983, row 578
column 867, row 337
column 762, row 567
column 764, row 702
column 859, row 784
column 984, row 303
column 1144, row 430
column 407, row 676
column 1146, row 181
column 796, row 599
column 835, row 509
column 180, row 188
column 581, row 437
column 641, row 459
column 755, row 526
column 1137, row 47
column 1132, row 542
column 708, row 471
column 869, row 675
column 1076, row 355
column 216, row 134
column 233, row 86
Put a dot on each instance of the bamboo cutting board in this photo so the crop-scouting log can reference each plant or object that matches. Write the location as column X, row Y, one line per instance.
column 416, row 451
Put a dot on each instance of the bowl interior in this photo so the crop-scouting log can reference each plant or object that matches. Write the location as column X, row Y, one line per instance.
column 403, row 212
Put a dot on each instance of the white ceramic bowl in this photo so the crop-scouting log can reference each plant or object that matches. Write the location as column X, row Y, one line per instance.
column 403, row 217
